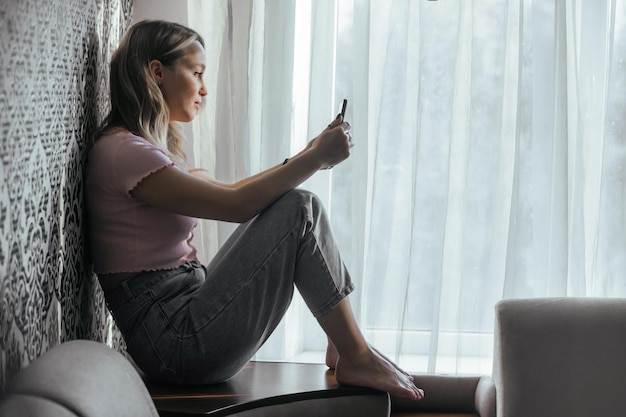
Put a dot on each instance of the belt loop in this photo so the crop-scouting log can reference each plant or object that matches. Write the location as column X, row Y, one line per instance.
column 127, row 290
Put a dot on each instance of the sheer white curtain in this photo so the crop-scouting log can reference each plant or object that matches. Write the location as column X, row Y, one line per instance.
column 490, row 157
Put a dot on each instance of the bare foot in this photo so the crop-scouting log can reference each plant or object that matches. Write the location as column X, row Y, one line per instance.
column 373, row 370
column 332, row 356
column 393, row 363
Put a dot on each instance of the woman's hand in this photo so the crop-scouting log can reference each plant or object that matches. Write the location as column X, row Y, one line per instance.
column 332, row 146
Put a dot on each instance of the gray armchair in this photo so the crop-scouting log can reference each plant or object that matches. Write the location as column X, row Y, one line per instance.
column 560, row 357
column 78, row 378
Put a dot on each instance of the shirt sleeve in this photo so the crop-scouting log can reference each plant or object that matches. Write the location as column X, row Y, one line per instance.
column 135, row 159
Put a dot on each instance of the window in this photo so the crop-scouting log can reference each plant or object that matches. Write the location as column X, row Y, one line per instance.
column 488, row 164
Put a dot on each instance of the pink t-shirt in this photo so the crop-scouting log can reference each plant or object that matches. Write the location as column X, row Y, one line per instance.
column 127, row 235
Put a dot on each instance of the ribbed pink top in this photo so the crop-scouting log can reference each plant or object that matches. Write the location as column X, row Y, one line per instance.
column 127, row 235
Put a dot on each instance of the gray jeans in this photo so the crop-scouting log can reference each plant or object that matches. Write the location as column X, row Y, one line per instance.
column 201, row 325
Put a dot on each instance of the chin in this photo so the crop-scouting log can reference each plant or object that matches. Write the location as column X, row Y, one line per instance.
column 184, row 118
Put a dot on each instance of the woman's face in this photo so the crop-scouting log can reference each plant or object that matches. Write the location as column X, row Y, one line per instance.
column 182, row 84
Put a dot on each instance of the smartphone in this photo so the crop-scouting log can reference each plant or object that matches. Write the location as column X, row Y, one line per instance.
column 342, row 112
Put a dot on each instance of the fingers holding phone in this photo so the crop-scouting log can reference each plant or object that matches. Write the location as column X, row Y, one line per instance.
column 342, row 113
column 340, row 118
column 345, row 126
column 336, row 140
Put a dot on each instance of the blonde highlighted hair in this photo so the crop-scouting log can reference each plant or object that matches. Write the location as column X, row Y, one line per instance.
column 137, row 103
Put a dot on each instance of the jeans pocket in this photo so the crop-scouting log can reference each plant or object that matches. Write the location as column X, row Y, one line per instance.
column 154, row 361
column 129, row 315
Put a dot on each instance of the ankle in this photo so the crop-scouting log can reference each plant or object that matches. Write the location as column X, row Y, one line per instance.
column 357, row 357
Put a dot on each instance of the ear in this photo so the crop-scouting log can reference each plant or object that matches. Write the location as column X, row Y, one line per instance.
column 156, row 70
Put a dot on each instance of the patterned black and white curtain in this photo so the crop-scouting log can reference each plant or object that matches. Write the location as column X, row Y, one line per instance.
column 53, row 92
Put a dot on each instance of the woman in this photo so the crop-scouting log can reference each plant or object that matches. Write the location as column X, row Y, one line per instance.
column 183, row 322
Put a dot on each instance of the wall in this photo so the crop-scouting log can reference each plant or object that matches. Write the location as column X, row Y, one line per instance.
column 53, row 92
column 161, row 9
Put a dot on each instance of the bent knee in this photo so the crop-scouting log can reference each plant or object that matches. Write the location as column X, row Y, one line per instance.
column 297, row 201
column 298, row 198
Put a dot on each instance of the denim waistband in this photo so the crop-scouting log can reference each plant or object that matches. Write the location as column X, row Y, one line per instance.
column 132, row 287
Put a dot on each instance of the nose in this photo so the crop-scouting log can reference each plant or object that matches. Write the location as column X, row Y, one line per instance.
column 202, row 91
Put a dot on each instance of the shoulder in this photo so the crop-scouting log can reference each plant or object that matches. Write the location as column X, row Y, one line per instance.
column 122, row 141
column 124, row 159
column 122, row 148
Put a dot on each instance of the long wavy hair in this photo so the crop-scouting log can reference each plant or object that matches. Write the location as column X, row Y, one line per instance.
column 137, row 103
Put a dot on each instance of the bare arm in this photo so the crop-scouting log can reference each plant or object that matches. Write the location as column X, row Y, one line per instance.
column 175, row 190
column 201, row 173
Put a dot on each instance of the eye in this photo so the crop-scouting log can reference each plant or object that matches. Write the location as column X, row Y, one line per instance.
column 198, row 74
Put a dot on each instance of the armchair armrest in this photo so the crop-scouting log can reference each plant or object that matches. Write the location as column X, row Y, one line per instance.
column 485, row 397
column 565, row 354
column 78, row 378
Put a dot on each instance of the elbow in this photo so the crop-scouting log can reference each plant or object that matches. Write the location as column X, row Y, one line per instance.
column 241, row 212
column 240, row 206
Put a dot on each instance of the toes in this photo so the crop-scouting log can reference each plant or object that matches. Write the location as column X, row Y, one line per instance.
column 419, row 392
